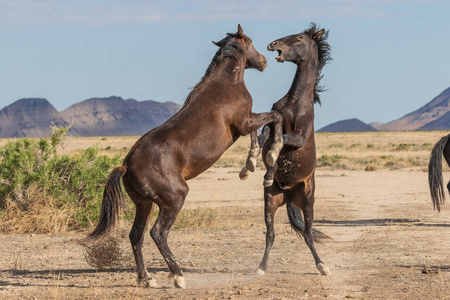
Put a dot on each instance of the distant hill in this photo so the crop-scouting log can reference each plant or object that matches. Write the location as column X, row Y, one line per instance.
column 116, row 116
column 441, row 123
column 350, row 125
column 27, row 117
column 427, row 114
column 113, row 116
column 376, row 125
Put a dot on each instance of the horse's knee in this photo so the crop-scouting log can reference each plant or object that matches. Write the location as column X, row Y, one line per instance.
column 277, row 117
column 270, row 236
column 156, row 234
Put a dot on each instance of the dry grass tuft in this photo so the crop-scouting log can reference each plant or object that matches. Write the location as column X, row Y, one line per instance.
column 371, row 167
column 197, row 217
column 108, row 252
column 37, row 214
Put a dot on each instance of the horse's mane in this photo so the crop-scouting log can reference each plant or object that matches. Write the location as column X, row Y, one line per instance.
column 228, row 47
column 323, row 49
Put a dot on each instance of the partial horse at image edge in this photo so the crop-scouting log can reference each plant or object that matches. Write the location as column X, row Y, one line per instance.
column 435, row 178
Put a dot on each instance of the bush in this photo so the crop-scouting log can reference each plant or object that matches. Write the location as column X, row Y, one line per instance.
column 330, row 160
column 36, row 179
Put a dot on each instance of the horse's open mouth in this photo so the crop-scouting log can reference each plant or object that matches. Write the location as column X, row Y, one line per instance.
column 280, row 57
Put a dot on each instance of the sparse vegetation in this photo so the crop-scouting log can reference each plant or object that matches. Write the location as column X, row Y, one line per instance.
column 375, row 150
column 334, row 160
column 49, row 191
column 51, row 188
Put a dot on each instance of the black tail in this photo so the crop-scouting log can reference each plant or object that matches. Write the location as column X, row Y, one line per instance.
column 111, row 204
column 297, row 223
column 435, row 172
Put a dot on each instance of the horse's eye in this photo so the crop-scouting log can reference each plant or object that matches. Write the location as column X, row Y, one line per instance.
column 300, row 37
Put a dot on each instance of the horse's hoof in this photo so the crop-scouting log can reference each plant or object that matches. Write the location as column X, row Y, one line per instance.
column 251, row 164
column 243, row 175
column 180, row 282
column 152, row 283
column 260, row 272
column 324, row 270
column 267, row 182
column 143, row 282
column 271, row 158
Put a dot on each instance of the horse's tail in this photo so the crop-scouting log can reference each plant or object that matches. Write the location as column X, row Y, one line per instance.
column 435, row 172
column 297, row 223
column 111, row 204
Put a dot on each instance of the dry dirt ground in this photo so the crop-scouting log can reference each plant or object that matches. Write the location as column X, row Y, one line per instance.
column 388, row 243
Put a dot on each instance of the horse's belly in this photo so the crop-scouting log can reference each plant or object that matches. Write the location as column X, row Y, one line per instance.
column 204, row 155
column 294, row 167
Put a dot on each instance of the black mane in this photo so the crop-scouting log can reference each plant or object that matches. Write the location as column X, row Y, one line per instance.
column 228, row 47
column 323, row 49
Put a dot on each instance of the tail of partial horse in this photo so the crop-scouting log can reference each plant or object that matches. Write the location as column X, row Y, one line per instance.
column 297, row 223
column 435, row 171
column 111, row 204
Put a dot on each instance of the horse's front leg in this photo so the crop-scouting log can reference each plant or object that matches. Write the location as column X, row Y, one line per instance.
column 255, row 150
column 255, row 121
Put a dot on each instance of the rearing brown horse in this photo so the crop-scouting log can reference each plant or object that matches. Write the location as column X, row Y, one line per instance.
column 215, row 114
column 294, row 171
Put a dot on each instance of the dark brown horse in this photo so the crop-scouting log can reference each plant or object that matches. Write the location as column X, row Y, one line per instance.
column 215, row 114
column 442, row 148
column 295, row 167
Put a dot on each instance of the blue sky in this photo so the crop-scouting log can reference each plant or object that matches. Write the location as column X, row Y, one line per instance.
column 389, row 56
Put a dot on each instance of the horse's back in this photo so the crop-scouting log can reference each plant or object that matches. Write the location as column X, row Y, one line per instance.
column 188, row 144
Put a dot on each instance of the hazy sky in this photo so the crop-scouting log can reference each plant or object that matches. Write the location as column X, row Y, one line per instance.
column 389, row 56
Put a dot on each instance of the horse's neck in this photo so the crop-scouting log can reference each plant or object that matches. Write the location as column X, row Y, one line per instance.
column 229, row 71
column 302, row 88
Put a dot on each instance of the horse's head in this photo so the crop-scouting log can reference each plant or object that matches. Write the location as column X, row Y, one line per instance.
column 239, row 45
column 301, row 47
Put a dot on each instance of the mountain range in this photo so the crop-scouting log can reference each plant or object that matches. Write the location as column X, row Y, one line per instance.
column 112, row 116
column 435, row 115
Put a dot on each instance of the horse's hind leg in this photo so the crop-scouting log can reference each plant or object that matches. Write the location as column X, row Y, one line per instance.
column 169, row 206
column 304, row 198
column 273, row 198
column 143, row 212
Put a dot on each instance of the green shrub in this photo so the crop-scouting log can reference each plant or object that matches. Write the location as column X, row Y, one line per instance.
column 330, row 160
column 33, row 171
column 403, row 147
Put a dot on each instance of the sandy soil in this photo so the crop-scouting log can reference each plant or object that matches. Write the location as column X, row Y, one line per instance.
column 388, row 243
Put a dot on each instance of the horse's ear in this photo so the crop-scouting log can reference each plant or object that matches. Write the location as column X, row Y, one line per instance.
column 319, row 34
column 240, row 31
column 216, row 43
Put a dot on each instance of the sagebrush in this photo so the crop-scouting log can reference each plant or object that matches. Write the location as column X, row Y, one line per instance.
column 48, row 190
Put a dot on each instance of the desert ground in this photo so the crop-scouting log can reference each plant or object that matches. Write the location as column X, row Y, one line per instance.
column 372, row 198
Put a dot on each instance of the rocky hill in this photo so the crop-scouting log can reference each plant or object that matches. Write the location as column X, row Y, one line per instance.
column 350, row 125
column 30, row 117
column 441, row 123
column 426, row 117
column 113, row 116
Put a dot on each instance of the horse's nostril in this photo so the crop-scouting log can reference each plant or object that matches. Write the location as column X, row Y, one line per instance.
column 274, row 43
